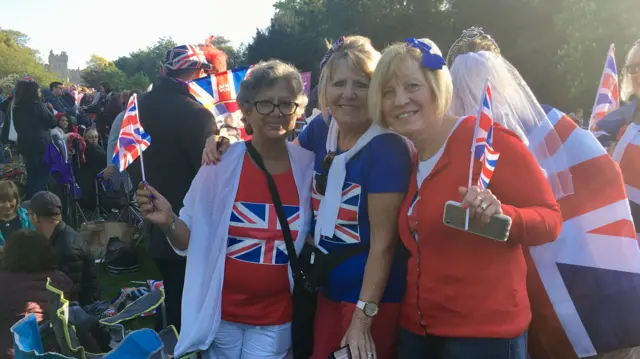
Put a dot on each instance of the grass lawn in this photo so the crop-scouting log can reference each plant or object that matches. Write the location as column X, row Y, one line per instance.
column 112, row 283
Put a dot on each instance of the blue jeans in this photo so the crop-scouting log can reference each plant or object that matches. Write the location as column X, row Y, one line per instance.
column 413, row 346
column 37, row 175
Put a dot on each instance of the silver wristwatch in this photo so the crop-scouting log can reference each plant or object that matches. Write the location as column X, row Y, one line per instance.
column 172, row 226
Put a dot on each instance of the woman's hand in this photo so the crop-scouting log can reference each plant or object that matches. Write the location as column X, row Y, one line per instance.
column 216, row 146
column 482, row 204
column 358, row 337
column 154, row 207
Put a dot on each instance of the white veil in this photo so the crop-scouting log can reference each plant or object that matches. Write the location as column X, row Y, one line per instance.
column 514, row 107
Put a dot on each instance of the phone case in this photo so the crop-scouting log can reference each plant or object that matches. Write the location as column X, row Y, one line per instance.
column 342, row 353
column 497, row 229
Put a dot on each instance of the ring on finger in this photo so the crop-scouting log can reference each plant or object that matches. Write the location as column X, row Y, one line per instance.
column 484, row 206
column 369, row 355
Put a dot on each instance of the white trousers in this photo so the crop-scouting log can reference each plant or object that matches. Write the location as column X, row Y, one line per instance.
column 242, row 341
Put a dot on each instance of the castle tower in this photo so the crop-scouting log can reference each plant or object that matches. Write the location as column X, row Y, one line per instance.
column 58, row 64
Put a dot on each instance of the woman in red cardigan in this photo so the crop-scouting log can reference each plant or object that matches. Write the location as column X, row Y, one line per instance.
column 466, row 295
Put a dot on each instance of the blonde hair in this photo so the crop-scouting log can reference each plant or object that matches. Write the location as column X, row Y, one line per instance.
column 439, row 81
column 626, row 89
column 360, row 55
column 264, row 75
column 89, row 132
column 472, row 40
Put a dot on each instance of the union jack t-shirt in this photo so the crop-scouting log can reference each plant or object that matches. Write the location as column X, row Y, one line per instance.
column 382, row 166
column 256, row 280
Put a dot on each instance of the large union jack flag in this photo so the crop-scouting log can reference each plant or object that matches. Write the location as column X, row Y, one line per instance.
column 627, row 154
column 608, row 97
column 347, row 227
column 585, row 287
column 132, row 139
column 218, row 94
column 255, row 234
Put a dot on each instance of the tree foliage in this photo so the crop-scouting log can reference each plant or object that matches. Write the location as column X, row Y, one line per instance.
column 559, row 46
column 18, row 60
column 99, row 69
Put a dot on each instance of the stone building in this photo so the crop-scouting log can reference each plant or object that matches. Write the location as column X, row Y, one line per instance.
column 58, row 64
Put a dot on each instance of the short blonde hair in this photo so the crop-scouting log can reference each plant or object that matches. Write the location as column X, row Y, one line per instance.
column 393, row 57
column 264, row 75
column 360, row 55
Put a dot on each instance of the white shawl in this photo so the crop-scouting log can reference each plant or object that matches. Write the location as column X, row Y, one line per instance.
column 207, row 212
column 330, row 204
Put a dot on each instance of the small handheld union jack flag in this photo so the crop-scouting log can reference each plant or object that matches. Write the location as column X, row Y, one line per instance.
column 482, row 144
column 484, row 140
column 608, row 97
column 132, row 139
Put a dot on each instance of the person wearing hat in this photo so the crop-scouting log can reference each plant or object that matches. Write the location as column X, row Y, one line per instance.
column 179, row 127
column 72, row 251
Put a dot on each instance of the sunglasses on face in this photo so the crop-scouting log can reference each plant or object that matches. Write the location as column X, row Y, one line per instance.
column 633, row 69
column 321, row 181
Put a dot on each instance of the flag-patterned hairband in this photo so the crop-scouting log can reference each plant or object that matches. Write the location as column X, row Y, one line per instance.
column 336, row 45
column 429, row 59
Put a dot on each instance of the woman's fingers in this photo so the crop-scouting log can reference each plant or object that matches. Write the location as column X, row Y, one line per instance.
column 486, row 215
column 370, row 348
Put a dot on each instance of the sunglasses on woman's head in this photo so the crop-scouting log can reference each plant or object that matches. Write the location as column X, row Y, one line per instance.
column 633, row 69
column 321, row 181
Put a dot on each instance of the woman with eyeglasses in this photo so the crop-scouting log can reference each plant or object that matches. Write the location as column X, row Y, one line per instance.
column 361, row 176
column 466, row 295
column 237, row 301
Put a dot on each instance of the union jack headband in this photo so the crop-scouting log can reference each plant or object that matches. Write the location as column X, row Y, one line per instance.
column 185, row 57
column 336, row 45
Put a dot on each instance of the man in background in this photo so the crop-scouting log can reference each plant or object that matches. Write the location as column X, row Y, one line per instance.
column 179, row 127
column 72, row 251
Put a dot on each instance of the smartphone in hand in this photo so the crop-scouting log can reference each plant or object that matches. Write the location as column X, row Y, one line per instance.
column 497, row 228
column 342, row 353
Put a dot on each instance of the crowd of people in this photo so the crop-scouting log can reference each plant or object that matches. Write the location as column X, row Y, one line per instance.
column 335, row 241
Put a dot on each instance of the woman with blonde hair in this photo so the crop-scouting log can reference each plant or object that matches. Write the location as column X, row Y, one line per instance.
column 12, row 216
column 361, row 176
column 476, row 56
column 466, row 295
column 237, row 301
column 362, row 173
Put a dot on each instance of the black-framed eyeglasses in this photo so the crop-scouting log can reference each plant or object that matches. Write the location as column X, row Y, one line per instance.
column 266, row 107
column 321, row 181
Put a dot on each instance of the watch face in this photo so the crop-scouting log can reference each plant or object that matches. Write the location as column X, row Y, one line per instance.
column 370, row 309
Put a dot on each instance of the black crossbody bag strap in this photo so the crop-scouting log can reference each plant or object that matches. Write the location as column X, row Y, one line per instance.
column 282, row 218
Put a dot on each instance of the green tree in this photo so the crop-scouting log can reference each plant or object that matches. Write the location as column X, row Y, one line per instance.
column 18, row 60
column 139, row 81
column 146, row 61
column 235, row 57
column 590, row 26
column 99, row 69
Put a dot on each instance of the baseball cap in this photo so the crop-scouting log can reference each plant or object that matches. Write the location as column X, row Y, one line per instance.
column 185, row 57
column 44, row 204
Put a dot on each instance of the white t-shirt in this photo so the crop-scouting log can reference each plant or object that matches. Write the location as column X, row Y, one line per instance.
column 426, row 167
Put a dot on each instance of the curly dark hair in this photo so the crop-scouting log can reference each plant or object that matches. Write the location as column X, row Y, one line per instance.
column 28, row 251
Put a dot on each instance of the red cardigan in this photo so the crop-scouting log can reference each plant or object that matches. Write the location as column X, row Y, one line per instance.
column 460, row 284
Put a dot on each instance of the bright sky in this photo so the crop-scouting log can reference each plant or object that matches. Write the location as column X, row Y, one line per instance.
column 112, row 28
